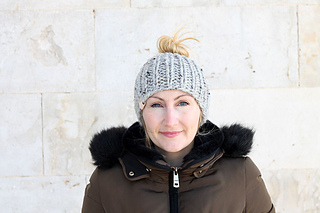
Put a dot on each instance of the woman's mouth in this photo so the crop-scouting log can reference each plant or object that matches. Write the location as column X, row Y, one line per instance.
column 171, row 134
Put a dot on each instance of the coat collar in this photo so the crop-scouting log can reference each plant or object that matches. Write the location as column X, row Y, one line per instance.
column 110, row 144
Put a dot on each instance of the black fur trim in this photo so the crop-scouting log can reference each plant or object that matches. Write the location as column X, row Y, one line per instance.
column 238, row 140
column 206, row 142
column 106, row 146
column 134, row 141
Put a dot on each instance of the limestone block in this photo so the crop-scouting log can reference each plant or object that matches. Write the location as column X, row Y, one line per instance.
column 55, row 194
column 239, row 47
column 8, row 4
column 247, row 49
column 294, row 191
column 47, row 51
column 286, row 123
column 20, row 135
column 71, row 4
column 309, row 43
column 70, row 120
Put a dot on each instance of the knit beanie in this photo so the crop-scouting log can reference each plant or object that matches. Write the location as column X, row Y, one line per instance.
column 170, row 71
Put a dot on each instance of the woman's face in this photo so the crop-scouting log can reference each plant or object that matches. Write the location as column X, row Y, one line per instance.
column 172, row 119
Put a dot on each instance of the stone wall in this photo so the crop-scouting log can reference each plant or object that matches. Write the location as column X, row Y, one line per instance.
column 67, row 70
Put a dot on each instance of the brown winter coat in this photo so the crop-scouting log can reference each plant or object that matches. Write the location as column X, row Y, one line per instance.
column 215, row 176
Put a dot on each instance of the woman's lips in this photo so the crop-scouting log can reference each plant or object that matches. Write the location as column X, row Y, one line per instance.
column 171, row 134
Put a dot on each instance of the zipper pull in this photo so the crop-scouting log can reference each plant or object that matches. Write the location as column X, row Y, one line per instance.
column 175, row 178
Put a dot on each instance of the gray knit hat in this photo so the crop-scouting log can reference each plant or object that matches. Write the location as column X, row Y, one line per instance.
column 170, row 71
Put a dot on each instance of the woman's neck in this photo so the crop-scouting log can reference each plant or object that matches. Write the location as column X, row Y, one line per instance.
column 175, row 159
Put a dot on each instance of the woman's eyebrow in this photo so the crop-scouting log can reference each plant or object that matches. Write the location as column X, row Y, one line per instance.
column 181, row 96
column 157, row 98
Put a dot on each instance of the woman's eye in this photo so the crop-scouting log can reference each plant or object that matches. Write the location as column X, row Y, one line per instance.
column 183, row 103
column 155, row 105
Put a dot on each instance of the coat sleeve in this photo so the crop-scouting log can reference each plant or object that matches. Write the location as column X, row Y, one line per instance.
column 257, row 196
column 92, row 201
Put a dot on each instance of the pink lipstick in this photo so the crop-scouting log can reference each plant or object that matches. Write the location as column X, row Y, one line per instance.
column 171, row 134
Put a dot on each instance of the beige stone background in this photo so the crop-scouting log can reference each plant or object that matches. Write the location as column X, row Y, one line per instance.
column 67, row 70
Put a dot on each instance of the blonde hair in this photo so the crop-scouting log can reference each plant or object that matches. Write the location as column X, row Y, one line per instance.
column 147, row 139
column 174, row 44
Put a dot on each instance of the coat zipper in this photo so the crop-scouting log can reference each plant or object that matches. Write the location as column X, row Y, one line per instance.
column 175, row 178
column 173, row 190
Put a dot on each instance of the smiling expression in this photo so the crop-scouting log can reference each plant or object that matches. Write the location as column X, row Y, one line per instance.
column 172, row 119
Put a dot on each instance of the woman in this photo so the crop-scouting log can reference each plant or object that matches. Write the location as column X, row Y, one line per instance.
column 173, row 159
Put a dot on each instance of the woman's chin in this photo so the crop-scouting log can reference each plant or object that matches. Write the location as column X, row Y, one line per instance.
column 172, row 150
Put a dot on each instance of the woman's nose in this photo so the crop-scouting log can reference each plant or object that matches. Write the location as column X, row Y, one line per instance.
column 171, row 117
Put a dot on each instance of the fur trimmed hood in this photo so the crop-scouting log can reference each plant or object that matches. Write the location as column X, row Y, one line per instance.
column 110, row 144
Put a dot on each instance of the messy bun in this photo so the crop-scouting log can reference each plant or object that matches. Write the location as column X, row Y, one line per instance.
column 174, row 44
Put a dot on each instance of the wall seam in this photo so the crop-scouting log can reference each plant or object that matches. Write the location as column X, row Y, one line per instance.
column 95, row 50
column 298, row 46
column 42, row 140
